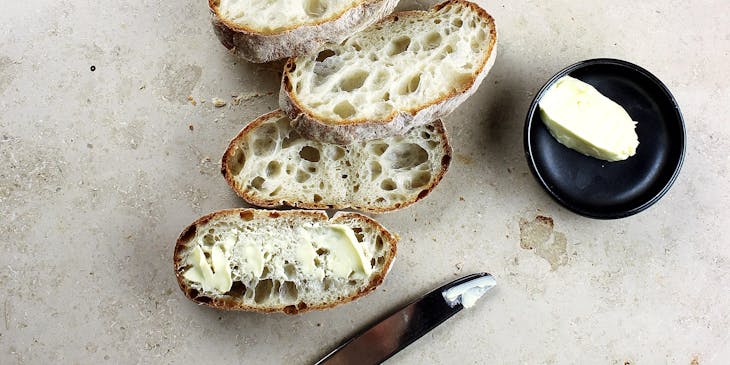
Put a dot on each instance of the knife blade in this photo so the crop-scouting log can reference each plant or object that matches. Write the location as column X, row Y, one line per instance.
column 398, row 330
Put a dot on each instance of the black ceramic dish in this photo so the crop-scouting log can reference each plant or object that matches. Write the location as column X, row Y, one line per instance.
column 608, row 190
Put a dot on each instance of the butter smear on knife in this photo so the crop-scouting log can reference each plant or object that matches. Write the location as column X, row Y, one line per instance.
column 468, row 293
column 583, row 119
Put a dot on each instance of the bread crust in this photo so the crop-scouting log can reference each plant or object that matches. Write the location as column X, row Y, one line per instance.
column 226, row 302
column 257, row 46
column 398, row 122
column 242, row 192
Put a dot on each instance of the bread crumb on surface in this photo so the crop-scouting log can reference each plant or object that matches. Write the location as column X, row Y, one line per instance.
column 218, row 102
column 243, row 97
column 192, row 100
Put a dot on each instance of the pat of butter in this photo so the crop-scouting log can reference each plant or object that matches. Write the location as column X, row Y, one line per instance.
column 345, row 255
column 468, row 293
column 583, row 119
column 306, row 256
column 212, row 278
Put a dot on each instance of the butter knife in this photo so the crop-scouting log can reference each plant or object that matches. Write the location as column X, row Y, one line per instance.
column 390, row 335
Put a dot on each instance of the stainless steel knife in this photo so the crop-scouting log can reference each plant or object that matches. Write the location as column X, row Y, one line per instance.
column 385, row 338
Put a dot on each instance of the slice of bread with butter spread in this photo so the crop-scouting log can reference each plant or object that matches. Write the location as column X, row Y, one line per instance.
column 406, row 70
column 263, row 31
column 281, row 261
column 270, row 165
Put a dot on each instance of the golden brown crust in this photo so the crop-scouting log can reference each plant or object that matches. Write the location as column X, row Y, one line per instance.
column 242, row 191
column 314, row 127
column 226, row 302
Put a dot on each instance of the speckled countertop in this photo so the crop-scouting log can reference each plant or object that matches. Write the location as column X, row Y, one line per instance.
column 104, row 159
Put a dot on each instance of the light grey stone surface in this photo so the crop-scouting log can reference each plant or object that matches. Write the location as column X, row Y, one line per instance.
column 100, row 171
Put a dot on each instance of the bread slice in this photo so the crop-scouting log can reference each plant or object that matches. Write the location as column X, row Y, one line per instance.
column 263, row 31
column 269, row 164
column 406, row 70
column 281, row 261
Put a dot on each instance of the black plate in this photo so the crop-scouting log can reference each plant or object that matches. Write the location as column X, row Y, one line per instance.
column 608, row 190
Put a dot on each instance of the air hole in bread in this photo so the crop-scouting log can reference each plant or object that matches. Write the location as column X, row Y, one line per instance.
column 437, row 21
column 315, row 8
column 432, row 40
column 302, row 176
column 317, row 262
column 263, row 290
column 289, row 292
column 290, row 139
column 273, row 169
column 344, row 109
column 309, row 153
column 420, row 179
column 337, row 153
column 410, row 85
column 398, row 45
column 405, row 156
column 358, row 234
column 372, row 262
column 238, row 289
column 322, row 251
column 388, row 185
column 312, row 169
column 203, row 299
column 246, row 215
column 380, row 78
column 275, row 192
column 290, row 270
column 327, row 53
column 353, row 81
column 457, row 23
column 381, row 260
column 425, row 135
column 380, row 200
column 379, row 243
column 258, row 182
column 289, row 169
column 352, row 282
column 327, row 283
column 208, row 240
column 317, row 198
column 263, row 146
column 236, row 162
column 357, row 46
column 266, row 271
column 378, row 148
column 375, row 170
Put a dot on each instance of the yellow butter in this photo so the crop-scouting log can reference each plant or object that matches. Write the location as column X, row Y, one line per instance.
column 345, row 255
column 583, row 119
column 212, row 278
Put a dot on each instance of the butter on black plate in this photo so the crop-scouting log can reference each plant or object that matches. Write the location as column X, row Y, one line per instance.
column 602, row 189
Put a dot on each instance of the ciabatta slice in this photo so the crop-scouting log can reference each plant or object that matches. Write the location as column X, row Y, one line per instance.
column 281, row 261
column 406, row 70
column 270, row 165
column 263, row 31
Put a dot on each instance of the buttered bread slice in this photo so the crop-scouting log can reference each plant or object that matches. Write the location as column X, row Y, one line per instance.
column 281, row 261
column 406, row 70
column 262, row 31
column 270, row 165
